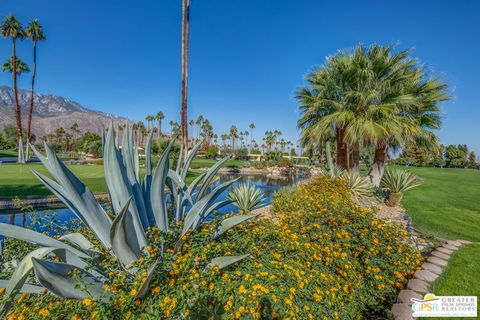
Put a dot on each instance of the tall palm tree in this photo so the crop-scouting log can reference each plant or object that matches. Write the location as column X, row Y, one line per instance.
column 185, row 51
column 233, row 136
column 34, row 31
column 199, row 123
column 251, row 126
column 12, row 28
column 159, row 117
column 191, row 123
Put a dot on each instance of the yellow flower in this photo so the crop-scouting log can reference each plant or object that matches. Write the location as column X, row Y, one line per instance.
column 87, row 302
column 76, row 317
column 43, row 312
column 133, row 292
column 155, row 290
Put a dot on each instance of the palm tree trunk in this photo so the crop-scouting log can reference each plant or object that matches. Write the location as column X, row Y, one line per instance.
column 159, row 128
column 354, row 159
column 18, row 113
column 341, row 149
column 375, row 173
column 184, row 129
column 29, row 126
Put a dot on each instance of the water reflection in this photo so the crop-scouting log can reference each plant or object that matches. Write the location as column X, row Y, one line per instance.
column 268, row 185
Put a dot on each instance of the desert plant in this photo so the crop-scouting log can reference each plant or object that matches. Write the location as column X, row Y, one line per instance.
column 137, row 206
column 397, row 181
column 246, row 197
column 359, row 185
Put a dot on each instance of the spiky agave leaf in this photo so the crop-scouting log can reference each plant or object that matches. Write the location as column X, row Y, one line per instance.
column 231, row 222
column 58, row 278
column 75, row 195
column 359, row 185
column 246, row 197
column 144, row 286
column 223, row 262
column 157, row 192
column 122, row 184
column 20, row 274
column 40, row 239
column 124, row 240
column 399, row 181
column 198, row 211
column 209, row 177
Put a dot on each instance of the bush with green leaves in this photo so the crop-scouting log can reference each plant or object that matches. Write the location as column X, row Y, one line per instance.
column 246, row 197
column 397, row 181
column 70, row 266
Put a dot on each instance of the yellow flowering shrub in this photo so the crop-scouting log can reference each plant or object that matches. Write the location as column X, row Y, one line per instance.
column 322, row 256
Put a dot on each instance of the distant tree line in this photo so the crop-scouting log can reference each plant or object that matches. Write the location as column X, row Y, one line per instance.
column 451, row 156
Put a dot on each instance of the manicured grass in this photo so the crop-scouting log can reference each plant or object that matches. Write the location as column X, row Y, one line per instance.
column 18, row 181
column 455, row 280
column 447, row 204
column 8, row 153
column 207, row 163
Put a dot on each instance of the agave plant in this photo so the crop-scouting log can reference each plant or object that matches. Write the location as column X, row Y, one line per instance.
column 246, row 197
column 136, row 205
column 359, row 185
column 398, row 181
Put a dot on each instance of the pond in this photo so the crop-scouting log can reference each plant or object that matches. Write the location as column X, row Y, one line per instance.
column 266, row 184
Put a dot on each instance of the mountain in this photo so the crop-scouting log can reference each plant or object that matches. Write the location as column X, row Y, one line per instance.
column 51, row 112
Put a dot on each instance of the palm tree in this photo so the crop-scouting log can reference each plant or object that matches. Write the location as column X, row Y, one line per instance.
column 192, row 123
column 233, row 136
column 372, row 97
column 149, row 119
column 199, row 123
column 34, row 31
column 12, row 28
column 251, row 126
column 159, row 117
column 185, row 49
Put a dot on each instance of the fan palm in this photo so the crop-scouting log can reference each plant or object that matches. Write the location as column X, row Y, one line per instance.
column 12, row 28
column 373, row 96
column 34, row 32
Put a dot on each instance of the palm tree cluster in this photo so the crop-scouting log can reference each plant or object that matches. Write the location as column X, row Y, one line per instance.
column 373, row 98
column 12, row 28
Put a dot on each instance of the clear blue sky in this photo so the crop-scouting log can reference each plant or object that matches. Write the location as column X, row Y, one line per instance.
column 247, row 56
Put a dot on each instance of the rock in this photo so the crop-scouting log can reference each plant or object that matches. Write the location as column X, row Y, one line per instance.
column 418, row 285
column 437, row 261
column 405, row 296
column 445, row 250
column 432, row 268
column 425, row 275
column 465, row 241
column 453, row 243
column 450, row 247
column 402, row 311
column 441, row 255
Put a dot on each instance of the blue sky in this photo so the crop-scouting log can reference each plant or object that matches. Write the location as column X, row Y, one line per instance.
column 247, row 57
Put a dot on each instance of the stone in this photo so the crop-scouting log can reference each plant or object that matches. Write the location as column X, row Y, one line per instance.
column 432, row 268
column 402, row 311
column 418, row 285
column 465, row 241
column 437, row 261
column 440, row 255
column 445, row 250
column 405, row 296
column 450, row 247
column 425, row 275
column 453, row 243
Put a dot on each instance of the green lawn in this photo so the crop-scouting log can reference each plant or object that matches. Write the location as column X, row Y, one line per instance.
column 447, row 205
column 18, row 180
column 8, row 153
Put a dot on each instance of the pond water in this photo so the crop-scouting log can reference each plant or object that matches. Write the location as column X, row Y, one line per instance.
column 266, row 184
